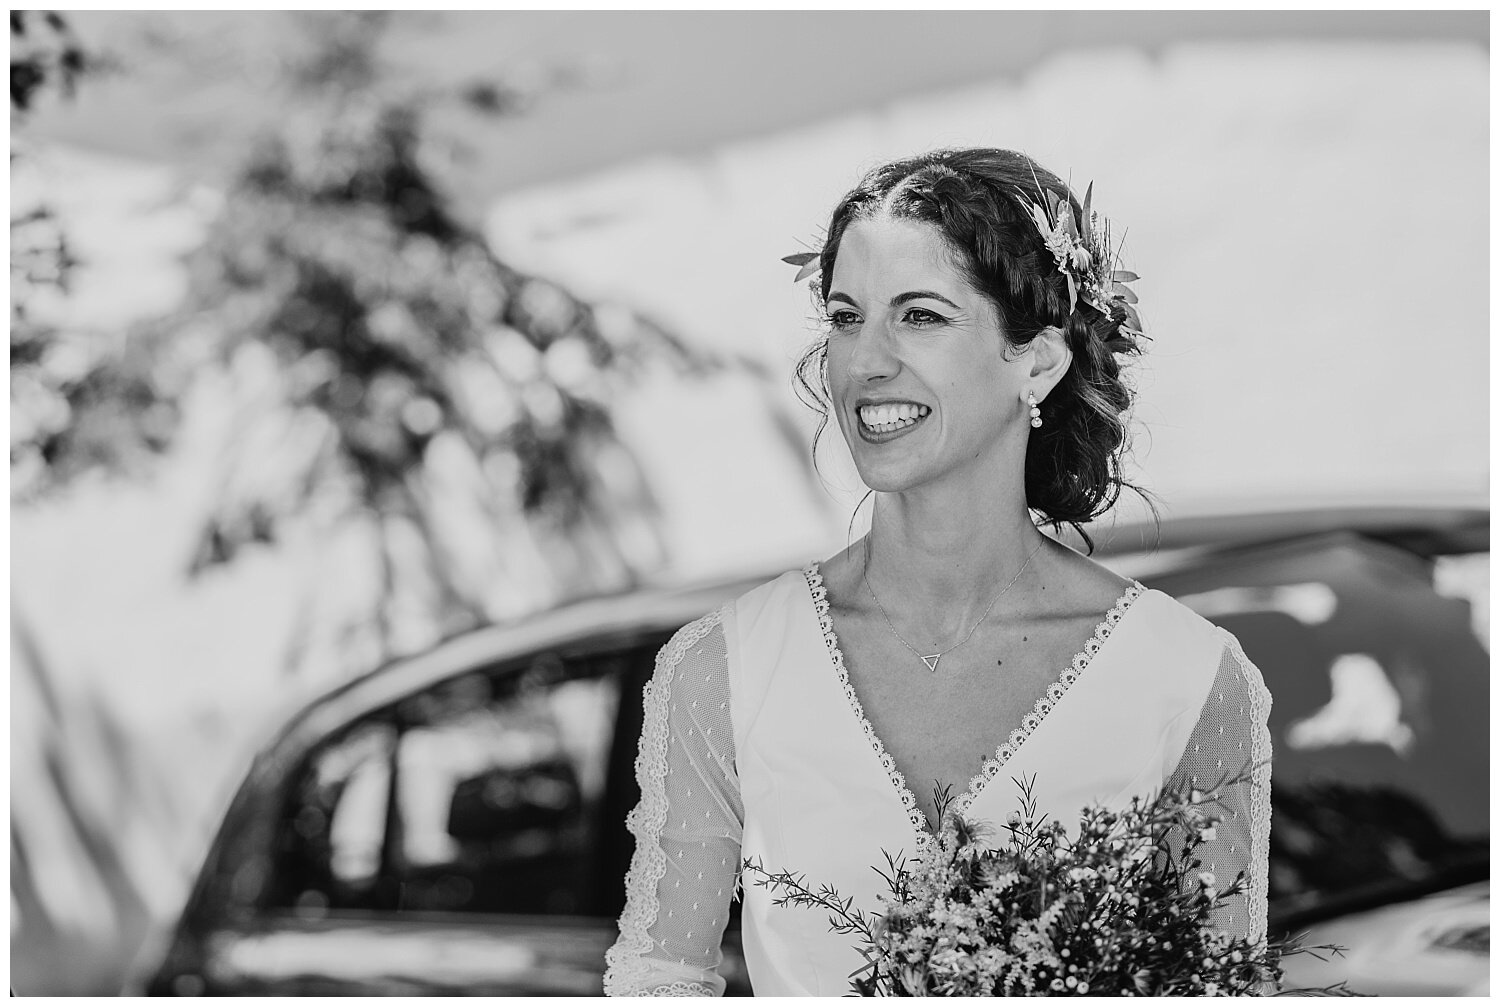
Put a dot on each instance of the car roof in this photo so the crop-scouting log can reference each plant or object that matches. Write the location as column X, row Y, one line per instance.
column 1426, row 529
column 591, row 624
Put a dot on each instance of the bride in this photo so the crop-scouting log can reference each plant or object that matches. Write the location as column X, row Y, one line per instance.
column 975, row 331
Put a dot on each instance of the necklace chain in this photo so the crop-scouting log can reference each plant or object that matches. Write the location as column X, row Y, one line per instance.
column 931, row 660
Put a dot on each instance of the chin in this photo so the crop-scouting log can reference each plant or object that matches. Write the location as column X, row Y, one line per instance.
column 889, row 478
column 886, row 471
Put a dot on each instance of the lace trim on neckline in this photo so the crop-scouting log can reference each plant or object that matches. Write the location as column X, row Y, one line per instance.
column 1052, row 696
column 831, row 640
column 1003, row 754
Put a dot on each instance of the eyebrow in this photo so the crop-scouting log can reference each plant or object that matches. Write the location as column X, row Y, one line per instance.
column 899, row 299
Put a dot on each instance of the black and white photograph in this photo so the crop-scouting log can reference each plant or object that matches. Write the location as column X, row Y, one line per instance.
column 750, row 503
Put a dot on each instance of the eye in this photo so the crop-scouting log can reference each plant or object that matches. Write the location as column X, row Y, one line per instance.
column 843, row 319
column 923, row 318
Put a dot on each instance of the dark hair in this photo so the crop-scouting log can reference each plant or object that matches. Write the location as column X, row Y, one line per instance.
column 975, row 198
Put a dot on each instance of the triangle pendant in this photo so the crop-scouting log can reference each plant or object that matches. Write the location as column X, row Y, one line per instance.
column 931, row 661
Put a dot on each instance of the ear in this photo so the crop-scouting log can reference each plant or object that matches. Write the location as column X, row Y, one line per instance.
column 1050, row 360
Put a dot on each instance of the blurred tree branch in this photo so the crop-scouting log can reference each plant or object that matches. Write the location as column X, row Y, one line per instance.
column 80, row 401
column 396, row 369
column 387, row 375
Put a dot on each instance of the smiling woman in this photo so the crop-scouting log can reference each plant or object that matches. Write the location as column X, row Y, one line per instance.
column 976, row 323
column 978, row 243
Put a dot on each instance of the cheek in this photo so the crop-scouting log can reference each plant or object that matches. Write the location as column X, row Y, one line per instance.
column 976, row 399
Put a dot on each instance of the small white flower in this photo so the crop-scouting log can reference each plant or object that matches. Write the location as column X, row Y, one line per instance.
column 1209, row 834
column 1207, row 879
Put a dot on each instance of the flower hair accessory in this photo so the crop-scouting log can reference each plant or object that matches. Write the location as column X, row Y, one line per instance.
column 1084, row 257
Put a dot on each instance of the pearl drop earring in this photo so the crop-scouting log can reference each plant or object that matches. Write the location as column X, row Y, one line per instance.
column 1036, row 410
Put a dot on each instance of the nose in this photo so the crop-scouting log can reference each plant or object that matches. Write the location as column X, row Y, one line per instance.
column 873, row 357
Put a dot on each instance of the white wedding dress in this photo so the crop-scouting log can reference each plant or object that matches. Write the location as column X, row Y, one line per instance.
column 755, row 746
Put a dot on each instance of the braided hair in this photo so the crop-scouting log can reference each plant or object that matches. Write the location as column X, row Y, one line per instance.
column 979, row 199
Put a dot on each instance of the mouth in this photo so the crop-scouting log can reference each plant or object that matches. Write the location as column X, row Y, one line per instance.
column 888, row 420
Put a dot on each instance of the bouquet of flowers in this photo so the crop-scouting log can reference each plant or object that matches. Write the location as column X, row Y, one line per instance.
column 1120, row 909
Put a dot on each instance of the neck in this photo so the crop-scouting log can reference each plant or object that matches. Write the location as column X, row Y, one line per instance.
column 928, row 555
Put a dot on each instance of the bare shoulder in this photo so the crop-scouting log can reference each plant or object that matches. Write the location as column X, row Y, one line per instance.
column 1082, row 585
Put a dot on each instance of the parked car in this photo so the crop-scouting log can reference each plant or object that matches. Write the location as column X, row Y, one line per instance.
column 454, row 822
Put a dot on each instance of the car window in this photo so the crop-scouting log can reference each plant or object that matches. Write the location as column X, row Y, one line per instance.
column 1378, row 668
column 333, row 833
column 485, row 793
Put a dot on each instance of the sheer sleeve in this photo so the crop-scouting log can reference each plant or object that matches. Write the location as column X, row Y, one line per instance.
column 1232, row 740
column 687, row 827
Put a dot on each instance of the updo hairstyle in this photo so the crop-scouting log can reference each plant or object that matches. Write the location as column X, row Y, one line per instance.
column 974, row 197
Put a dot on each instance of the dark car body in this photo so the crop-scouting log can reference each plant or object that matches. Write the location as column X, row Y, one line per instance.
column 454, row 822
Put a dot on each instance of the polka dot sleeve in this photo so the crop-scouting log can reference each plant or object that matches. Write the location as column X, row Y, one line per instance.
column 1231, row 741
column 687, row 826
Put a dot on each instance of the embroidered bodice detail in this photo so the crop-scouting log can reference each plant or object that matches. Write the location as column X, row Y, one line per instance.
column 1051, row 697
column 830, row 639
column 1003, row 753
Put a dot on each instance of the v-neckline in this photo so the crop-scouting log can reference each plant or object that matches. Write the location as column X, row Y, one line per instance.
column 1007, row 749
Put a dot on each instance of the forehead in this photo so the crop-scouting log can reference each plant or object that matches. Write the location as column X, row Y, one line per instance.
column 891, row 255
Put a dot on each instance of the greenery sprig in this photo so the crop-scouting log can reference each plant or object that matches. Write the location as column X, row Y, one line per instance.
column 808, row 261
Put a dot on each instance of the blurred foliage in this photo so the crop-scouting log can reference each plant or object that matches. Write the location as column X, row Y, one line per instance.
column 383, row 366
column 388, row 357
column 80, row 401
column 41, row 55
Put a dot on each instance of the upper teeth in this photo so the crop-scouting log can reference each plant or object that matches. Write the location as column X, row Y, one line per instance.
column 891, row 412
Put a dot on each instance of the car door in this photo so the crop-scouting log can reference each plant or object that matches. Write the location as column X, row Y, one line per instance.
column 467, row 838
column 1380, row 728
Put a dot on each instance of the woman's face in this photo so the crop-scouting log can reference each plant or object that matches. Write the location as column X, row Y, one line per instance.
column 920, row 378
